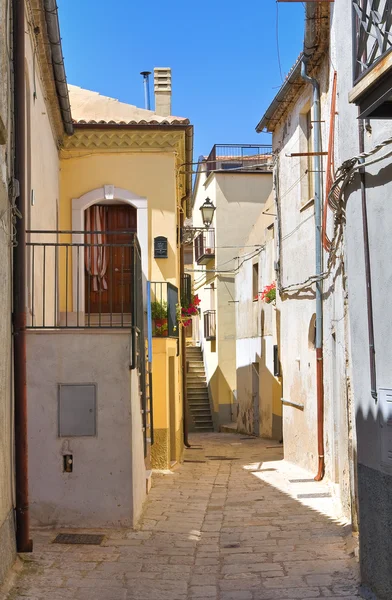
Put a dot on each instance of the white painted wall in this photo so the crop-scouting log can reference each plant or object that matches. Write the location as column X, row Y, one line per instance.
column 374, row 477
column 107, row 486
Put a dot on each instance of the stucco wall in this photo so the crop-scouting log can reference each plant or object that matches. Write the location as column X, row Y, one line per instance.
column 42, row 186
column 374, row 477
column 150, row 175
column 7, row 540
column 257, row 331
column 234, row 196
column 107, row 485
column 298, row 357
column 167, row 402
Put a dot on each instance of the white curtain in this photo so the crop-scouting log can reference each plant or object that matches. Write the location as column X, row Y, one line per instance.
column 96, row 256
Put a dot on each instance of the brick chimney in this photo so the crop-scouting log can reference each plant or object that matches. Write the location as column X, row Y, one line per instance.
column 162, row 91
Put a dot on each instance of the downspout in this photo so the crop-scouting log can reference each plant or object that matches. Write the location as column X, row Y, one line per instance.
column 368, row 277
column 183, row 341
column 319, row 260
column 24, row 543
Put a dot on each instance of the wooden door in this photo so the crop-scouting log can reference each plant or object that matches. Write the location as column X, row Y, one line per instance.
column 111, row 293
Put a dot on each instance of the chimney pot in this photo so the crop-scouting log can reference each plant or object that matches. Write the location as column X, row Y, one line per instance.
column 162, row 91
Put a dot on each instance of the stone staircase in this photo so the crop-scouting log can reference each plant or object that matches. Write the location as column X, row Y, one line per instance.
column 197, row 392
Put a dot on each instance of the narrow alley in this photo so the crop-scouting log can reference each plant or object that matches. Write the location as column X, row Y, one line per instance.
column 234, row 522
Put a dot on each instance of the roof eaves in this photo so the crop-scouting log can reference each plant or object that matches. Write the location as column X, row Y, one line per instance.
column 281, row 97
column 60, row 79
column 142, row 122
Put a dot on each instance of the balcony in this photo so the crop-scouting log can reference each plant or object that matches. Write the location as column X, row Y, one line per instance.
column 209, row 325
column 92, row 283
column 205, row 246
column 164, row 300
column 372, row 58
column 239, row 157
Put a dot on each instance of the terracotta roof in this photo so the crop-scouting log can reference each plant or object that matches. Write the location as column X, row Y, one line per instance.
column 92, row 108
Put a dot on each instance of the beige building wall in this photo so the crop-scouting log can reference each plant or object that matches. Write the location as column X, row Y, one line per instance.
column 257, row 332
column 238, row 198
column 7, row 535
column 42, row 187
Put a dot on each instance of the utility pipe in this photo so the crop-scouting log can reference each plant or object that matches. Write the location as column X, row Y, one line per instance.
column 368, row 274
column 183, row 343
column 146, row 83
column 319, row 263
column 23, row 541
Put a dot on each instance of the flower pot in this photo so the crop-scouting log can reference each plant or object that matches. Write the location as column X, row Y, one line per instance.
column 161, row 329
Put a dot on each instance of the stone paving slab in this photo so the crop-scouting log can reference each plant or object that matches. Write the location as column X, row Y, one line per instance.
column 215, row 529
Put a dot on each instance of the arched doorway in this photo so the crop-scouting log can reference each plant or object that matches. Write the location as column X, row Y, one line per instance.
column 129, row 211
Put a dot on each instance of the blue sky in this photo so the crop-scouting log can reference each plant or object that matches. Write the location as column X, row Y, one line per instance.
column 223, row 57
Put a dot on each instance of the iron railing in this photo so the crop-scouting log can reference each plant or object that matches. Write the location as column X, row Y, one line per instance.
column 164, row 300
column 238, row 157
column 186, row 289
column 205, row 246
column 372, row 31
column 210, row 324
column 82, row 279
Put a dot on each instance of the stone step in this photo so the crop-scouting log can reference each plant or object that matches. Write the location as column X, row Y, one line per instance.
column 204, row 427
column 201, row 414
column 197, row 394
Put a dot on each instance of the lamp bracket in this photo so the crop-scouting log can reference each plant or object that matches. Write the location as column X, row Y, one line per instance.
column 188, row 234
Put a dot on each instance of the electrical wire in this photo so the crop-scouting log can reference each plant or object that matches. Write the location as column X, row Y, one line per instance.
column 277, row 40
column 344, row 175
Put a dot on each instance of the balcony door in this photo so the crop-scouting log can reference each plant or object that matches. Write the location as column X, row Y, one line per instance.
column 108, row 259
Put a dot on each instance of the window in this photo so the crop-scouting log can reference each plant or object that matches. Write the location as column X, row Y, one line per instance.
column 255, row 281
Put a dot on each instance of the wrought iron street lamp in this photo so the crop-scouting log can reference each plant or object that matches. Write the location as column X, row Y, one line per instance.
column 188, row 234
column 207, row 212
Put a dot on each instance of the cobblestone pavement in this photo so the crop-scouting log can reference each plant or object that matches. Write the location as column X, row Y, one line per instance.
column 225, row 525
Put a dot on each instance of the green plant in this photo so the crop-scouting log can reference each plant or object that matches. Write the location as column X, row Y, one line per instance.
column 160, row 330
column 159, row 309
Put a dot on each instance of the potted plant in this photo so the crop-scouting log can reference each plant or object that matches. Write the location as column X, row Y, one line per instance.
column 268, row 295
column 187, row 309
column 159, row 316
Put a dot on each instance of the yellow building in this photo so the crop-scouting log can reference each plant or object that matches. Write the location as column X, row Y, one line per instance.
column 129, row 159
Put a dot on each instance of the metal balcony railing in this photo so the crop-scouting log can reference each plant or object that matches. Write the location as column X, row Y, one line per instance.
column 83, row 279
column 205, row 246
column 210, row 324
column 372, row 34
column 186, row 289
column 237, row 157
column 164, row 300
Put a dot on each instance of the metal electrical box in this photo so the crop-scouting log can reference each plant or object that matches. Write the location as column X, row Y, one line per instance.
column 385, row 420
column 77, row 409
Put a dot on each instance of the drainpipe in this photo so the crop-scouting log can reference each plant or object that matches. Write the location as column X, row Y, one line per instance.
column 368, row 278
column 319, row 260
column 24, row 543
column 183, row 343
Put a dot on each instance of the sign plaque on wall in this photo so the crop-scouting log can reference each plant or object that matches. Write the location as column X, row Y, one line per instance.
column 160, row 247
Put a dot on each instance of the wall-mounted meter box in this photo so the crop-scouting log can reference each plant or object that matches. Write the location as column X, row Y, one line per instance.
column 77, row 409
column 385, row 420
